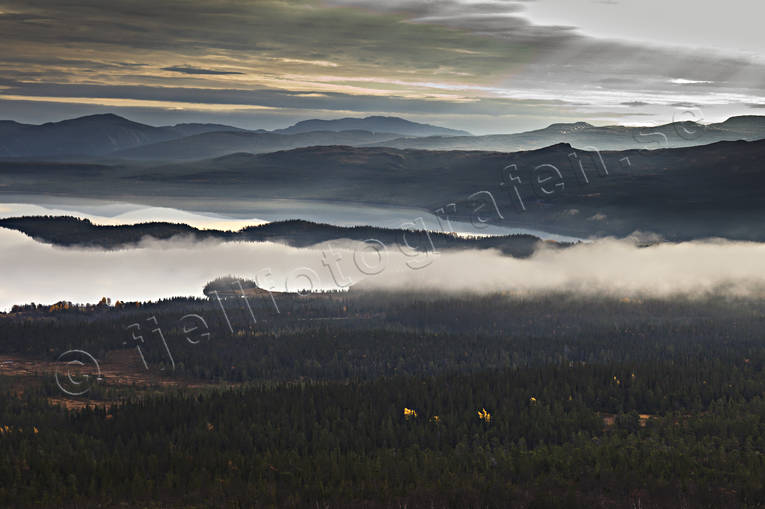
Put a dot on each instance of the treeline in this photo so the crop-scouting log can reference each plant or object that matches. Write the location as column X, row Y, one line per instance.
column 341, row 336
column 73, row 231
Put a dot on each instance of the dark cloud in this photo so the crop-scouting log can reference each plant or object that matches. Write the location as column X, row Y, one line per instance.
column 449, row 57
column 282, row 99
column 197, row 70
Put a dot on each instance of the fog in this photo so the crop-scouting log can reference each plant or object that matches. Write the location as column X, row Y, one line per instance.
column 606, row 266
column 41, row 273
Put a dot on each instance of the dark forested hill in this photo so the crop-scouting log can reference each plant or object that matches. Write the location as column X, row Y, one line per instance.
column 70, row 231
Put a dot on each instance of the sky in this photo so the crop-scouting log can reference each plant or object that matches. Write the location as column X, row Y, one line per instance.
column 487, row 66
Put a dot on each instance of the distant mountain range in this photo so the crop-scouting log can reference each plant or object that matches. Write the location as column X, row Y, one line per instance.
column 110, row 137
column 586, row 136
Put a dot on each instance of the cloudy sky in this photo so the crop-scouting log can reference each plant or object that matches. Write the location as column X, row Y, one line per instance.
column 480, row 65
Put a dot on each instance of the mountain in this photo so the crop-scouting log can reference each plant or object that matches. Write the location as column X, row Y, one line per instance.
column 216, row 144
column 373, row 124
column 90, row 136
column 583, row 135
column 194, row 129
column 9, row 127
column 753, row 124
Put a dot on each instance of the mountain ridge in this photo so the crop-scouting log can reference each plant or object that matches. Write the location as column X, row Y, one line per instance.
column 611, row 137
column 372, row 124
column 110, row 136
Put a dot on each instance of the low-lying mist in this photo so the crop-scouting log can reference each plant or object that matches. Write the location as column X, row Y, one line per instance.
column 36, row 272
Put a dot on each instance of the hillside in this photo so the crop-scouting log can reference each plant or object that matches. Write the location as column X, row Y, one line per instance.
column 683, row 193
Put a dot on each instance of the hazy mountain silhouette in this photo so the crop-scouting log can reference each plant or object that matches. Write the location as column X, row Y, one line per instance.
column 94, row 135
column 110, row 136
column 216, row 144
column 754, row 124
column 193, row 129
column 583, row 135
column 373, row 124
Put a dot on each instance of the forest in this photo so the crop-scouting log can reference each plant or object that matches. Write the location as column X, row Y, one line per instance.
column 72, row 231
column 369, row 399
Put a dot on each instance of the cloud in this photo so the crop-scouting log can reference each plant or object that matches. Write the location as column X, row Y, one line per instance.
column 474, row 62
column 197, row 70
column 279, row 98
column 608, row 266
column 683, row 81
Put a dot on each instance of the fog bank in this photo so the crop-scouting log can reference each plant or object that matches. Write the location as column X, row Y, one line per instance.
column 36, row 272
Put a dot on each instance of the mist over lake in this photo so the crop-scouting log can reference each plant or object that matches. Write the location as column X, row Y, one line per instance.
column 181, row 266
